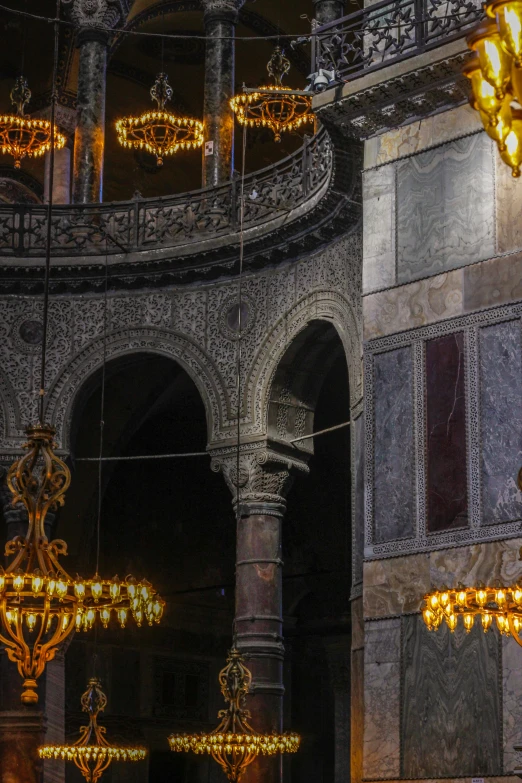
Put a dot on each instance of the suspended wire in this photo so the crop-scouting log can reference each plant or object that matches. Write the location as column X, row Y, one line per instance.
column 24, row 41
column 276, row 37
column 102, row 406
column 49, row 218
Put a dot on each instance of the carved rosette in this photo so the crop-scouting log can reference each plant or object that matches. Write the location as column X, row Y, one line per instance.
column 265, row 475
column 97, row 13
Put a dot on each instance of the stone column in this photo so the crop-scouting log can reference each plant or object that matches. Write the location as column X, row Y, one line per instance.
column 61, row 178
column 220, row 17
column 89, row 139
column 264, row 480
column 95, row 19
column 328, row 10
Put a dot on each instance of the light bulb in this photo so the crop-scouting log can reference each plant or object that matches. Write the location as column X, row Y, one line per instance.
column 482, row 597
column 79, row 589
column 37, row 582
column 451, row 621
column 122, row 617
column 30, row 619
column 96, row 588
column 105, row 616
column 61, row 588
column 468, row 620
column 18, row 581
column 486, row 619
column 115, row 588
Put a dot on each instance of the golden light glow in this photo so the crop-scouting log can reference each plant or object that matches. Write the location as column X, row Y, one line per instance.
column 508, row 16
column 489, row 603
column 159, row 132
column 234, row 744
column 495, row 62
column 91, row 753
column 40, row 604
column 274, row 106
column 496, row 81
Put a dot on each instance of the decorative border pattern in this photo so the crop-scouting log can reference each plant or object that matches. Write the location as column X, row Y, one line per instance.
column 477, row 531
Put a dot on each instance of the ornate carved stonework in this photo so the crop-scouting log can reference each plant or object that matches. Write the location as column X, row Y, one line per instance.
column 97, row 13
column 265, row 474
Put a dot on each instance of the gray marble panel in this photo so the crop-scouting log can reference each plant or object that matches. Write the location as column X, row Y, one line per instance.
column 451, row 705
column 393, row 446
column 357, row 434
column 501, row 420
column 379, row 229
column 511, row 703
column 445, row 208
column 382, row 699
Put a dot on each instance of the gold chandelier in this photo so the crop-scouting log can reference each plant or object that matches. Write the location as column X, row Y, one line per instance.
column 159, row 132
column 499, row 603
column 274, row 106
column 91, row 753
column 495, row 71
column 21, row 137
column 40, row 604
column 234, row 744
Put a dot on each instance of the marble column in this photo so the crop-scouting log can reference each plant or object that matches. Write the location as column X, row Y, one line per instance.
column 54, row 771
column 264, row 480
column 220, row 17
column 357, row 692
column 89, row 139
column 328, row 10
column 259, row 620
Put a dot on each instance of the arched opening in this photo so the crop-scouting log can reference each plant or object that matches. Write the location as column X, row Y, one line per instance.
column 310, row 393
column 168, row 520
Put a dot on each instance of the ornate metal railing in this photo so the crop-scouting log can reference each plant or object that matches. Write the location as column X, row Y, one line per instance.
column 174, row 221
column 389, row 31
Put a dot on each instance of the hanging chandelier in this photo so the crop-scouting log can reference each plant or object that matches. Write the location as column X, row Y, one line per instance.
column 91, row 753
column 40, row 604
column 234, row 744
column 499, row 603
column 495, row 72
column 159, row 132
column 22, row 137
column 274, row 106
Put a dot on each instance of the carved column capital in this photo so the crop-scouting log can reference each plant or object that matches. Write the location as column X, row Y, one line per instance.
column 265, row 477
column 221, row 9
column 89, row 14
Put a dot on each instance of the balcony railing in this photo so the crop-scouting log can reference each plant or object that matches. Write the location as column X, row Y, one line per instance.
column 174, row 221
column 388, row 32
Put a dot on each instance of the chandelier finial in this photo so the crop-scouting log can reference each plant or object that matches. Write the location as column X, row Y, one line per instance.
column 278, row 66
column 161, row 91
column 20, row 95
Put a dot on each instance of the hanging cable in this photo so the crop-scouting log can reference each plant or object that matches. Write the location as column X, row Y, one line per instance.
column 49, row 218
column 24, row 40
column 102, row 406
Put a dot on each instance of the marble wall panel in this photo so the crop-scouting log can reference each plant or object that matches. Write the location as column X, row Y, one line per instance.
column 416, row 304
column 382, row 699
column 445, row 208
column 451, row 706
column 393, row 445
column 511, row 702
column 421, row 135
column 379, row 229
column 447, row 495
column 500, row 366
column 357, row 434
column 509, row 207
column 396, row 586
column 493, row 282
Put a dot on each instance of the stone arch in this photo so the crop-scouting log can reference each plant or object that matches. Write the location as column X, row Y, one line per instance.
column 323, row 306
column 9, row 411
column 185, row 352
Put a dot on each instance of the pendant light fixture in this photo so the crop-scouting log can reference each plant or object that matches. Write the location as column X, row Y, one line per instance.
column 40, row 603
column 234, row 744
column 274, row 106
column 495, row 72
column 20, row 136
column 91, row 752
